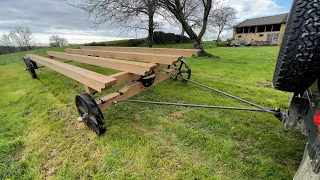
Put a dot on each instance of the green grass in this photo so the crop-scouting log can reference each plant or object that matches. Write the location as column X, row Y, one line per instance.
column 41, row 138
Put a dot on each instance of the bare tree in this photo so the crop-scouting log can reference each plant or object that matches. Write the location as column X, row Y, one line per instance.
column 191, row 13
column 7, row 41
column 131, row 14
column 222, row 17
column 204, row 7
column 57, row 41
column 22, row 37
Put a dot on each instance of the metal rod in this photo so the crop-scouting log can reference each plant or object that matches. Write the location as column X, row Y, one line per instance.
column 196, row 105
column 221, row 92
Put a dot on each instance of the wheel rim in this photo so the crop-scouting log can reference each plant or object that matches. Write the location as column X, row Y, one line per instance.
column 30, row 67
column 90, row 112
column 184, row 71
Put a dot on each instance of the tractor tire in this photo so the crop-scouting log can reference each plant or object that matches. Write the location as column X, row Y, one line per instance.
column 298, row 62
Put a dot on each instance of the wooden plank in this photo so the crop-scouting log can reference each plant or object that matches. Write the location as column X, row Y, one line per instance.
column 167, row 51
column 89, row 90
column 131, row 90
column 153, row 58
column 88, row 78
column 126, row 66
column 123, row 77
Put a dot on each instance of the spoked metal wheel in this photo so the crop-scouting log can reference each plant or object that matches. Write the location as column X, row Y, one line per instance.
column 30, row 67
column 90, row 113
column 184, row 70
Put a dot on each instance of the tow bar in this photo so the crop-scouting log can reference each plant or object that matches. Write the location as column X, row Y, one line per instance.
column 282, row 116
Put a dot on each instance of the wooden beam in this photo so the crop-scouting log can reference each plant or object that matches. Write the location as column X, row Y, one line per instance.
column 88, row 78
column 132, row 67
column 89, row 90
column 153, row 58
column 131, row 89
column 167, row 51
column 125, row 77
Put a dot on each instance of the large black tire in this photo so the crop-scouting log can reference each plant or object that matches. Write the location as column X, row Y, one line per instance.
column 299, row 58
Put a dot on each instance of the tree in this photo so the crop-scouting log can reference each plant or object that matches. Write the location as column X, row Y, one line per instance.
column 222, row 17
column 22, row 37
column 56, row 41
column 191, row 12
column 204, row 7
column 7, row 41
column 131, row 14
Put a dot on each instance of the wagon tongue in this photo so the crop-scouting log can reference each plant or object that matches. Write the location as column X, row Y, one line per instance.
column 282, row 116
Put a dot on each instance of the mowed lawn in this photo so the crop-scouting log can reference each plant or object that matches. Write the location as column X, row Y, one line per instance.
column 41, row 138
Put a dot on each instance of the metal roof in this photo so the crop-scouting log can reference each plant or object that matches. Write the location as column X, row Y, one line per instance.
column 276, row 19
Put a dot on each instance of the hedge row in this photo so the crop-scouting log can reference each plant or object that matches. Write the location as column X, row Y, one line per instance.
column 159, row 38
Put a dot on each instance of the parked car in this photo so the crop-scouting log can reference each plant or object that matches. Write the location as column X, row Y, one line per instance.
column 238, row 43
column 235, row 43
column 297, row 71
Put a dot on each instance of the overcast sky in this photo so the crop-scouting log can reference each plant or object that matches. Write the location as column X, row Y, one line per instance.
column 52, row 17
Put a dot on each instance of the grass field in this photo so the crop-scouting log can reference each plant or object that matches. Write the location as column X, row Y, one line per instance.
column 41, row 138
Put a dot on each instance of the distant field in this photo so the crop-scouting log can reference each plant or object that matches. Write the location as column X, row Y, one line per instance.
column 41, row 138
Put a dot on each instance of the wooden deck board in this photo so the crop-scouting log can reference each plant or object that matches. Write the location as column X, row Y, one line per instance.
column 91, row 79
column 126, row 66
column 144, row 57
column 166, row 51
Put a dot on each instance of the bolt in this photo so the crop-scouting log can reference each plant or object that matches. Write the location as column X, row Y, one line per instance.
column 84, row 116
column 80, row 119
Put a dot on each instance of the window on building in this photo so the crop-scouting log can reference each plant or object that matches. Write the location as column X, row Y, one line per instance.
column 239, row 36
column 261, row 28
column 246, row 30
column 239, row 30
column 276, row 27
column 261, row 35
column 252, row 29
column 268, row 28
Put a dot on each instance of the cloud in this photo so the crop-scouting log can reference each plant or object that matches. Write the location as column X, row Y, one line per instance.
column 52, row 17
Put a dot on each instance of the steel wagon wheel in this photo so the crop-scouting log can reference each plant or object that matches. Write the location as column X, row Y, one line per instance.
column 90, row 113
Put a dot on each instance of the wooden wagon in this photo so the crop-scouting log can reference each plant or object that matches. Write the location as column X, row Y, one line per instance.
column 140, row 68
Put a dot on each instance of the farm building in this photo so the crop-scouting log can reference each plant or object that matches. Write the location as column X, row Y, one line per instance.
column 261, row 31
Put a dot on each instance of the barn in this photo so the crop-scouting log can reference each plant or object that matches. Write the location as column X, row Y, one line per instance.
column 261, row 31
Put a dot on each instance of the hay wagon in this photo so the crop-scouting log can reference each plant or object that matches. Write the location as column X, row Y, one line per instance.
column 140, row 68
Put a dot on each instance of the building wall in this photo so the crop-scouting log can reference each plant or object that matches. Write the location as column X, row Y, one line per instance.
column 248, row 37
column 282, row 31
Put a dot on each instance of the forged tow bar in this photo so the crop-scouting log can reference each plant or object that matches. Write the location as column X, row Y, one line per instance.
column 276, row 112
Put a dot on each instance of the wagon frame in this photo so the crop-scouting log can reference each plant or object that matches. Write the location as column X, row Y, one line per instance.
column 140, row 68
column 150, row 66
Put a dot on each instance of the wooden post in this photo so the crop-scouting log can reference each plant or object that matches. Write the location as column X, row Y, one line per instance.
column 89, row 90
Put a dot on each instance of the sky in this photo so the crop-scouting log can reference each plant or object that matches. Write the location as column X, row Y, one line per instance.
column 53, row 17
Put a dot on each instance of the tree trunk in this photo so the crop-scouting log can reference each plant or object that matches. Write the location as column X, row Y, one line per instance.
column 10, row 50
column 218, row 38
column 150, row 31
column 182, row 35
